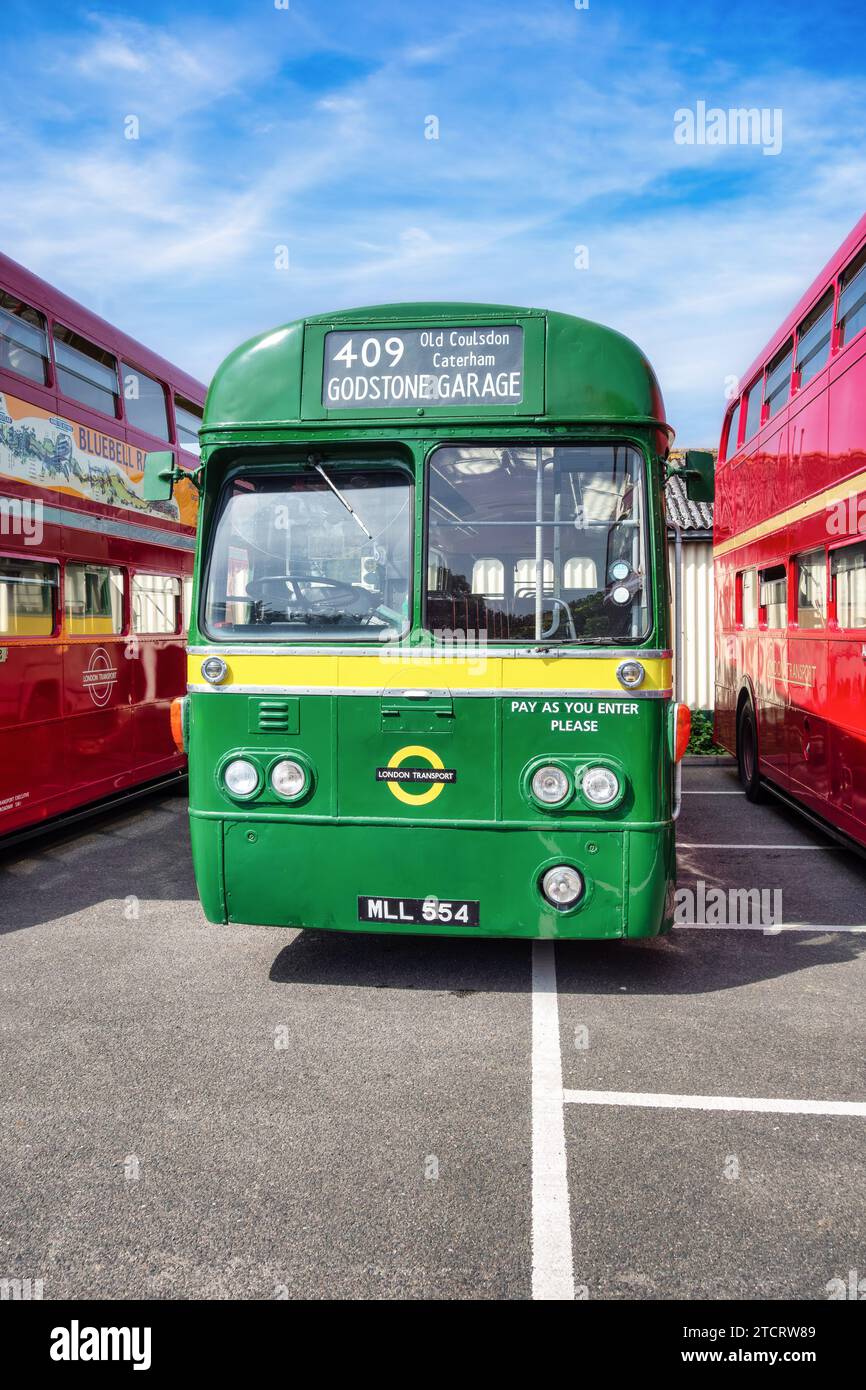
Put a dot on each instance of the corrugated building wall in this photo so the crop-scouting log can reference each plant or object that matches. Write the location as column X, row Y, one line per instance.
column 695, row 521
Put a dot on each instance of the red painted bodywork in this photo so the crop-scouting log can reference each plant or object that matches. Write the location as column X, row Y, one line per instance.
column 808, row 686
column 66, row 741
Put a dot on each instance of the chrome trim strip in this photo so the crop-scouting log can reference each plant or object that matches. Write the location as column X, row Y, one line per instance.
column 125, row 530
column 408, row 654
column 396, row 690
column 579, row 820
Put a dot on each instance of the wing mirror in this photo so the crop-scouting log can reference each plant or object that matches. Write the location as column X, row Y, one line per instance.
column 698, row 470
column 159, row 476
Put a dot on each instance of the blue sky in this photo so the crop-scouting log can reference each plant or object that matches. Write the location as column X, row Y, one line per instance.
column 262, row 127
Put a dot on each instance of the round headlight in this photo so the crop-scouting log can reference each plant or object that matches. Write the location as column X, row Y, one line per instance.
column 550, row 785
column 214, row 670
column 600, row 785
column 621, row 594
column 562, row 886
column 241, row 777
column 288, row 778
column 630, row 674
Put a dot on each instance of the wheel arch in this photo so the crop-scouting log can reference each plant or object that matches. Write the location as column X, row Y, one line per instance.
column 746, row 695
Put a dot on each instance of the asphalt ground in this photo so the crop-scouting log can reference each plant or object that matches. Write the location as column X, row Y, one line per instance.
column 189, row 1111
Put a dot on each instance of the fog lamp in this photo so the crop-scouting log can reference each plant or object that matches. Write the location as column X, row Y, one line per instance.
column 562, row 886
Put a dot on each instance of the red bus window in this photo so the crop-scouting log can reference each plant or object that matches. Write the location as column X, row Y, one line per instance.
column 813, row 339
column 23, row 339
column 144, row 399
column 733, row 430
column 85, row 372
column 155, row 603
column 748, row 599
column 187, row 417
column 753, row 410
column 774, row 596
column 28, row 598
column 811, row 589
column 777, row 391
column 852, row 299
column 93, row 600
column 848, row 574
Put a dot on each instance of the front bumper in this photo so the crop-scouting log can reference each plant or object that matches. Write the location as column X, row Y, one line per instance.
column 310, row 874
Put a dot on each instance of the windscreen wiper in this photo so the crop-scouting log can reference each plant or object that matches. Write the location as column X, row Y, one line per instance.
column 339, row 496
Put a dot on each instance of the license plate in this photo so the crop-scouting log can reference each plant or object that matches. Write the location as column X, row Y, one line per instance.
column 460, row 911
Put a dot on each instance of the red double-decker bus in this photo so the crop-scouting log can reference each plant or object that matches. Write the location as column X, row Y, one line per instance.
column 790, row 555
column 94, row 581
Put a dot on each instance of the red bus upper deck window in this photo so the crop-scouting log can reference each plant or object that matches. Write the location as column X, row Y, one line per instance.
column 85, row 372
column 813, row 339
column 144, row 398
column 188, row 419
column 28, row 590
column 753, row 410
column 23, row 339
column 777, row 390
column 852, row 299
column 733, row 429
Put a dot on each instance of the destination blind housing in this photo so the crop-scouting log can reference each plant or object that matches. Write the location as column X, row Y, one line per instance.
column 457, row 366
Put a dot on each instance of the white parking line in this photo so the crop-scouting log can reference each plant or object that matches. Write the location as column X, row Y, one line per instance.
column 697, row 791
column 552, row 1269
column 772, row 929
column 768, row 1106
column 683, row 844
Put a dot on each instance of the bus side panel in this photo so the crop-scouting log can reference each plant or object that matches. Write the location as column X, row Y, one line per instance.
column 651, row 871
column 158, row 672
column 726, row 654
column 31, row 746
column 206, row 837
column 848, row 736
column 98, row 717
column 847, row 676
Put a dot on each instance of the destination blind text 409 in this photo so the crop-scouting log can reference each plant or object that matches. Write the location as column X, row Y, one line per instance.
column 456, row 366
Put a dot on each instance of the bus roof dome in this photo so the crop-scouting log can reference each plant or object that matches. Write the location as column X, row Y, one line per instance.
column 575, row 370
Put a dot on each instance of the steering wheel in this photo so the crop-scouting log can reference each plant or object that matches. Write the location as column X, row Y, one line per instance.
column 304, row 590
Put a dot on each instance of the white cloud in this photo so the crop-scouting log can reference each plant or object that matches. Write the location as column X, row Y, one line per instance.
column 547, row 141
column 341, row 104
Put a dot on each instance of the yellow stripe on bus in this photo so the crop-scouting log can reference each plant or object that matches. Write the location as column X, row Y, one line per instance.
column 386, row 671
column 830, row 497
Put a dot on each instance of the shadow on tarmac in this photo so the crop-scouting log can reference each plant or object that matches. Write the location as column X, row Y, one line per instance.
column 141, row 851
column 688, row 961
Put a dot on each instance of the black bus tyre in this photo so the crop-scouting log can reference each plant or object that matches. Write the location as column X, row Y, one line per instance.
column 747, row 754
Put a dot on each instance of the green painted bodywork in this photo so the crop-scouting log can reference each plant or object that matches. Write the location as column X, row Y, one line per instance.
column 592, row 373
column 304, row 864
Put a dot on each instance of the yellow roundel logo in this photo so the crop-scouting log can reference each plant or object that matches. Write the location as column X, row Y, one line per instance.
column 396, row 776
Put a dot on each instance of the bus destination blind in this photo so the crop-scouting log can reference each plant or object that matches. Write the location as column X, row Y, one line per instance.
column 386, row 369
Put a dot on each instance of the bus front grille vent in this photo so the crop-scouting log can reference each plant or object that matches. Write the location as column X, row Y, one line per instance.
column 273, row 717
